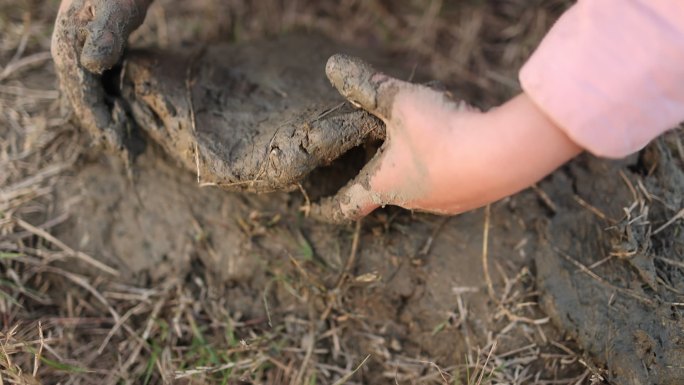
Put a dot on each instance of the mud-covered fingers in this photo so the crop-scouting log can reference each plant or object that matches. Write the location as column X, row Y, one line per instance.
column 362, row 85
column 350, row 203
column 82, row 89
column 107, row 33
column 353, row 201
column 329, row 138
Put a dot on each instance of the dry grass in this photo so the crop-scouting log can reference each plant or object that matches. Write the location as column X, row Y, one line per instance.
column 65, row 323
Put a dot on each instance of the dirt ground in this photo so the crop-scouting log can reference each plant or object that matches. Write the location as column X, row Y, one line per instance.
column 140, row 275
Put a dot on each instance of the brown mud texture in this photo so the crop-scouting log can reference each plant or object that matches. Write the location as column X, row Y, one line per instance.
column 256, row 116
column 613, row 275
column 261, row 117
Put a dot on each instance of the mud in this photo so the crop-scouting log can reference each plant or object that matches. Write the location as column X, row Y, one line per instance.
column 88, row 38
column 409, row 267
column 162, row 224
column 626, row 310
column 107, row 33
column 253, row 117
column 256, row 117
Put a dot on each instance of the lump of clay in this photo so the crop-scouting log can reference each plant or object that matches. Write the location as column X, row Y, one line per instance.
column 246, row 117
column 631, row 324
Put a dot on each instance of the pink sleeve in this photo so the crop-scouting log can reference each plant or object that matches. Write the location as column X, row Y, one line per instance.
column 610, row 73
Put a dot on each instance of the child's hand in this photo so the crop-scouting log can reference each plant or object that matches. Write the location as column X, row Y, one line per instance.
column 441, row 156
column 88, row 38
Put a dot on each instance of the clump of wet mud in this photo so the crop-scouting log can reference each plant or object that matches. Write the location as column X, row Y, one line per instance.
column 611, row 263
column 257, row 117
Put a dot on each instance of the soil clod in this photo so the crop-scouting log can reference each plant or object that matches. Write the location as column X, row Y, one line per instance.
column 603, row 284
column 246, row 117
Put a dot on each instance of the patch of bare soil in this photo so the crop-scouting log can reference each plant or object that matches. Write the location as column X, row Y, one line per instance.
column 612, row 273
column 406, row 290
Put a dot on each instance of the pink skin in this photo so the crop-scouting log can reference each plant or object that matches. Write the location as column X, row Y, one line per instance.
column 447, row 158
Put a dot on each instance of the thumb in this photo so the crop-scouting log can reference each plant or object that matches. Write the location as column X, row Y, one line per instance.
column 361, row 84
column 108, row 32
column 353, row 201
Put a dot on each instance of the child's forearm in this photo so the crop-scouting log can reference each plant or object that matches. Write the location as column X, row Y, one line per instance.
column 509, row 149
column 528, row 143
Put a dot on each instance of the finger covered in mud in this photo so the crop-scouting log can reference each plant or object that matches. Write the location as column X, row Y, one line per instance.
column 363, row 85
column 353, row 201
column 82, row 90
column 106, row 35
column 100, row 115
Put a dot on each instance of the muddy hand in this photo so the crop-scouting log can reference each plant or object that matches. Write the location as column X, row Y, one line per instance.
column 88, row 38
column 403, row 170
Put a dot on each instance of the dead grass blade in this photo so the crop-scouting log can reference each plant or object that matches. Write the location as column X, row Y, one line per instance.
column 672, row 220
column 485, row 253
column 76, row 254
column 347, row 377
